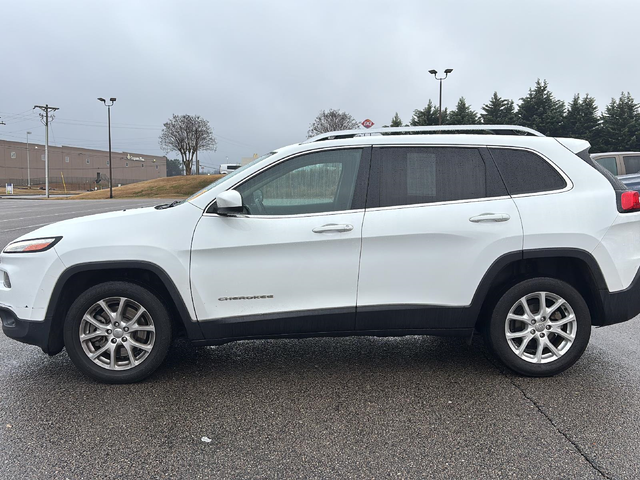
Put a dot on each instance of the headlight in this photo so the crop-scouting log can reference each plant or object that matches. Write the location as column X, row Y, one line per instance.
column 32, row 246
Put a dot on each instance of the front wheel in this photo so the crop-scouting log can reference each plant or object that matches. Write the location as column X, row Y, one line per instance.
column 540, row 327
column 117, row 332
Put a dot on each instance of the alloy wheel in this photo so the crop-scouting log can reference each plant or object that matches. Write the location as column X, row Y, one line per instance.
column 117, row 333
column 541, row 327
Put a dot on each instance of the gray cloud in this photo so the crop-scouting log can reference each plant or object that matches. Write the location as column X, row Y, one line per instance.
column 261, row 71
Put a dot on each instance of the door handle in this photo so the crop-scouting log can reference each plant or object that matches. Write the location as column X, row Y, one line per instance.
column 490, row 217
column 333, row 227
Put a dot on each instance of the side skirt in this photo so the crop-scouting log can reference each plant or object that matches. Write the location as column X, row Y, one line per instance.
column 449, row 332
column 394, row 320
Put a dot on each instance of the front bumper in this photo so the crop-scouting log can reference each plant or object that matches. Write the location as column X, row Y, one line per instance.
column 623, row 305
column 27, row 331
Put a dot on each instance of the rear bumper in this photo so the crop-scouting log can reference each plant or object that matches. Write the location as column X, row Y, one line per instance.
column 623, row 305
column 26, row 331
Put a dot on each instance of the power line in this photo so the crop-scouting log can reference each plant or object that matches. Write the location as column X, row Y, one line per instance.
column 128, row 126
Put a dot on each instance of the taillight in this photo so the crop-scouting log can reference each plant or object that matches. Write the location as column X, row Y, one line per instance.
column 630, row 200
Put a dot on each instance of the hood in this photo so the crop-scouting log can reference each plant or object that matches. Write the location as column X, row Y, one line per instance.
column 97, row 220
column 137, row 226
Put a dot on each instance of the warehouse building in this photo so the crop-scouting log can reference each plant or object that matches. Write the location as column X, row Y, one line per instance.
column 74, row 167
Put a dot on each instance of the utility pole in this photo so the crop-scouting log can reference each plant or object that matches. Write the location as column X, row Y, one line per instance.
column 28, row 169
column 109, row 105
column 197, row 162
column 44, row 117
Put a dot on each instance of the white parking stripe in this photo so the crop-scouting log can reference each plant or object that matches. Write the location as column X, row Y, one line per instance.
column 61, row 213
column 27, row 227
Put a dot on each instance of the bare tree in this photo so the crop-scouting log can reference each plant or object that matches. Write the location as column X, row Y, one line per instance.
column 331, row 121
column 187, row 134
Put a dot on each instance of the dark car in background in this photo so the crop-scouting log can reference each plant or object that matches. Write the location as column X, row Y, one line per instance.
column 624, row 165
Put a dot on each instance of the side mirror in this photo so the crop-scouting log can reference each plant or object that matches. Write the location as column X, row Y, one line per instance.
column 229, row 203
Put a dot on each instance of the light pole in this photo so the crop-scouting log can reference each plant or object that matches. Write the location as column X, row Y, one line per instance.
column 28, row 170
column 109, row 105
column 435, row 74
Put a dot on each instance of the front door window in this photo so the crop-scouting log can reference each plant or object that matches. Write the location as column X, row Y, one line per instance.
column 312, row 183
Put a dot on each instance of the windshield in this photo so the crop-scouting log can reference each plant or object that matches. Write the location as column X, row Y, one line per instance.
column 228, row 176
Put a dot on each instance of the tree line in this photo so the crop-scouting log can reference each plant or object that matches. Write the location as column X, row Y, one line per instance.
column 617, row 128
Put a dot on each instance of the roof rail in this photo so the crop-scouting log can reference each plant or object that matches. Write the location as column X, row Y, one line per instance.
column 493, row 129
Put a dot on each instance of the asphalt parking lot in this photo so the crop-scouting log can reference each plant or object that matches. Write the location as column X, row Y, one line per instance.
column 316, row 408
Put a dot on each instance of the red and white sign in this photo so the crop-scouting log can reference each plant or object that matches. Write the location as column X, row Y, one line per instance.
column 367, row 123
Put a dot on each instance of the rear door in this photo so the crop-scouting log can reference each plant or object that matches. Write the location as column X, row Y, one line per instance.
column 437, row 218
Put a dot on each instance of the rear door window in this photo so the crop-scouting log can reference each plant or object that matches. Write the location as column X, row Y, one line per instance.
column 631, row 163
column 419, row 175
column 526, row 172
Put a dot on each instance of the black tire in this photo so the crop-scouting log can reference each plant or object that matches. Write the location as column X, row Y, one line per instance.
column 160, row 342
column 496, row 336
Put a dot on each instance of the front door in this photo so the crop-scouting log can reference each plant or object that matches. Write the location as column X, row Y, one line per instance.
column 290, row 263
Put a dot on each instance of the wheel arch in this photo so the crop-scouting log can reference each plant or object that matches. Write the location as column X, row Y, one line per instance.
column 79, row 277
column 574, row 266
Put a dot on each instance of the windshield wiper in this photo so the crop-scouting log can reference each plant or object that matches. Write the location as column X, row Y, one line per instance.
column 164, row 206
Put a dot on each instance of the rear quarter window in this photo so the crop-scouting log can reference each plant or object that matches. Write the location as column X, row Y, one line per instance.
column 526, row 172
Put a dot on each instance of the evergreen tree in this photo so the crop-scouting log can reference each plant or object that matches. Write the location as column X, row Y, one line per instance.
column 427, row 116
column 620, row 125
column 396, row 121
column 174, row 168
column 499, row 111
column 541, row 111
column 462, row 115
column 581, row 119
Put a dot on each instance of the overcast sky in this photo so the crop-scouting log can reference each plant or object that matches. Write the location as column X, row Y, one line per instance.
column 260, row 71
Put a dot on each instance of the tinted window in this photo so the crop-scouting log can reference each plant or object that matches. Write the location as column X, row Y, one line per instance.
column 312, row 183
column 631, row 164
column 609, row 163
column 526, row 172
column 415, row 175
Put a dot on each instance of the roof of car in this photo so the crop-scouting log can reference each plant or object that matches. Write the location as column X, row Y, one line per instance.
column 613, row 153
column 430, row 129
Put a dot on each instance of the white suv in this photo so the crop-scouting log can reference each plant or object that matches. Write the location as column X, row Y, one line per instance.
column 433, row 232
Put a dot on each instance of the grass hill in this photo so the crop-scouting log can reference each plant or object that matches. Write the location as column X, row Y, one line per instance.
column 167, row 187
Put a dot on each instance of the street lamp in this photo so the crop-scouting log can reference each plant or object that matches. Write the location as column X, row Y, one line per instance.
column 435, row 74
column 109, row 105
column 28, row 170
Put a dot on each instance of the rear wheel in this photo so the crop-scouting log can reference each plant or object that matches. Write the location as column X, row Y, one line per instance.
column 540, row 327
column 117, row 332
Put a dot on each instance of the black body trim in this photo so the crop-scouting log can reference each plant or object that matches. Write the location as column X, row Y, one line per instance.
column 571, row 253
column 25, row 331
column 623, row 305
column 192, row 328
column 304, row 323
